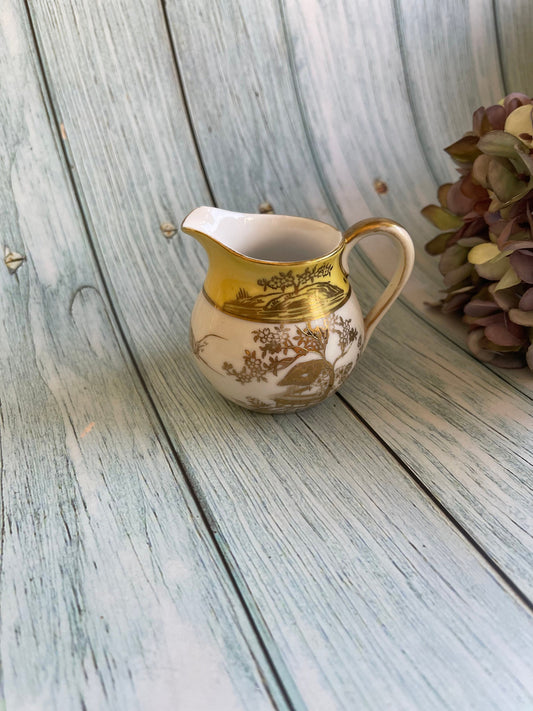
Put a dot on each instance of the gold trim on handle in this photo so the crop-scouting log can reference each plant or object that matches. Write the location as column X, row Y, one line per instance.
column 381, row 225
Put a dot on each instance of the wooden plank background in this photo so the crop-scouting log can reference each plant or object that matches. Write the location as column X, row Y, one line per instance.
column 161, row 547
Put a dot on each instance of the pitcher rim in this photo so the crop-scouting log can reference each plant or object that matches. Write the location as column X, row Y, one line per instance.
column 297, row 262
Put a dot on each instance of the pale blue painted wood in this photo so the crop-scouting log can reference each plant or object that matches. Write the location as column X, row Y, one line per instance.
column 371, row 112
column 450, row 58
column 317, row 66
column 464, row 432
column 112, row 592
column 364, row 592
column 357, row 108
column 515, row 34
column 250, row 132
column 256, row 115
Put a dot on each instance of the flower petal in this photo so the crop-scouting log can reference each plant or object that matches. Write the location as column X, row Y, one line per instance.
column 522, row 263
column 456, row 276
column 470, row 241
column 509, row 360
column 500, row 334
column 457, row 201
column 441, row 218
column 464, row 150
column 438, row 244
column 529, row 357
column 524, row 318
column 514, row 100
column 496, row 115
column 454, row 302
column 482, row 253
column 477, row 307
column 513, row 246
column 509, row 279
column 526, row 301
column 498, row 143
column 453, row 257
column 473, row 341
column 480, row 169
column 443, row 192
column 503, row 180
column 505, row 298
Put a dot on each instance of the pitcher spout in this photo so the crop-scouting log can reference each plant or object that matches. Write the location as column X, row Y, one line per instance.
column 211, row 225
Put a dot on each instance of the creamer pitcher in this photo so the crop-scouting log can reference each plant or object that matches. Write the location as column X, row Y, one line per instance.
column 277, row 326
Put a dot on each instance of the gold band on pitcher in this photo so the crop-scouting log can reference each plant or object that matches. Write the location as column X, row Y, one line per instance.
column 273, row 293
column 308, row 312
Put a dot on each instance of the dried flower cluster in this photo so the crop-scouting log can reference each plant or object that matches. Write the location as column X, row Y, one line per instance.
column 486, row 239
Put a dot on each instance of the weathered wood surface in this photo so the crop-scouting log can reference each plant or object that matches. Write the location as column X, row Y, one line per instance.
column 451, row 63
column 514, row 23
column 347, row 116
column 113, row 594
column 354, row 136
column 377, row 548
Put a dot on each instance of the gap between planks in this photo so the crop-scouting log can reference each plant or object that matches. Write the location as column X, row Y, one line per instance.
column 286, row 688
column 512, row 587
column 336, row 212
column 503, row 69
column 175, row 60
column 288, row 691
column 323, row 184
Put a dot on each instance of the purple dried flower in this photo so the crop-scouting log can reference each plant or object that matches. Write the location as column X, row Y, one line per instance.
column 485, row 244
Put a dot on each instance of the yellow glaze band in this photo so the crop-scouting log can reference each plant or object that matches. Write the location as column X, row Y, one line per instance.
column 275, row 292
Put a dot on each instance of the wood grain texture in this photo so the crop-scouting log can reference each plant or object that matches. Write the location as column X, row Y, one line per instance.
column 249, row 130
column 451, row 63
column 256, row 144
column 465, row 433
column 376, row 106
column 365, row 595
column 112, row 593
column 356, row 106
column 515, row 32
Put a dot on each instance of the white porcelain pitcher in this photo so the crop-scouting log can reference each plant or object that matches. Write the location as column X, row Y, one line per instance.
column 277, row 326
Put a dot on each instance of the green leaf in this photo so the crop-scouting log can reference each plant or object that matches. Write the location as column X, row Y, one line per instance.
column 510, row 278
column 438, row 244
column 464, row 150
column 479, row 170
column 499, row 143
column 441, row 218
column 482, row 253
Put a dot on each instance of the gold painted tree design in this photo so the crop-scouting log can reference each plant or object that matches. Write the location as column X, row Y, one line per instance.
column 279, row 348
column 290, row 280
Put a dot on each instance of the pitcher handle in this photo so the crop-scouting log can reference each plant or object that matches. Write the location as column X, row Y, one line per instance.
column 380, row 225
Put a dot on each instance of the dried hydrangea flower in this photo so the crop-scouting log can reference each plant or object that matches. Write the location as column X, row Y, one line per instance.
column 485, row 243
